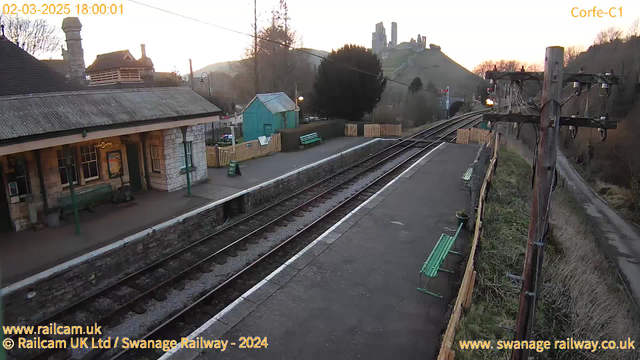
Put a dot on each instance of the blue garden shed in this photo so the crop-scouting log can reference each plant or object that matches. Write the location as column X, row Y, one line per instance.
column 267, row 113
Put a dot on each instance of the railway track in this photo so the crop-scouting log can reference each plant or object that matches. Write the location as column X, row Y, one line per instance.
column 130, row 296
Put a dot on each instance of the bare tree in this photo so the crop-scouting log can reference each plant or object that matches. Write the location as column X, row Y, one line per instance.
column 501, row 65
column 634, row 29
column 534, row 67
column 608, row 36
column 483, row 67
column 35, row 36
column 571, row 53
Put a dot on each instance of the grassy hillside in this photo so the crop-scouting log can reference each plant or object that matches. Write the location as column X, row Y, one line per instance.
column 434, row 66
column 235, row 66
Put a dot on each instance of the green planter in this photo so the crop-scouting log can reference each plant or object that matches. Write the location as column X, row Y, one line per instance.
column 462, row 219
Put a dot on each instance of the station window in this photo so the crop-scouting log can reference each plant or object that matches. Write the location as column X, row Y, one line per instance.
column 89, row 159
column 18, row 177
column 64, row 179
column 189, row 156
column 155, row 157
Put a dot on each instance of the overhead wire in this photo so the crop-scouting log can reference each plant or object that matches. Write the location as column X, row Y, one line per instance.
column 274, row 42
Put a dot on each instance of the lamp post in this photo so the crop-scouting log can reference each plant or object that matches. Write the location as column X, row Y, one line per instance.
column 298, row 98
column 208, row 83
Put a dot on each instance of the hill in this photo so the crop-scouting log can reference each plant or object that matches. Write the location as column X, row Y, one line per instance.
column 430, row 65
column 233, row 67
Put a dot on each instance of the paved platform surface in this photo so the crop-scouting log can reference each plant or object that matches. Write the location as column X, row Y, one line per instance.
column 28, row 252
column 352, row 293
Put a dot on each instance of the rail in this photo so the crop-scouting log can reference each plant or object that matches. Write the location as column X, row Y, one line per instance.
column 449, row 127
column 185, row 313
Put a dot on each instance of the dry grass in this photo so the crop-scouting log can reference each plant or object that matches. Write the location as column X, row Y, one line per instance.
column 620, row 198
column 584, row 284
column 581, row 297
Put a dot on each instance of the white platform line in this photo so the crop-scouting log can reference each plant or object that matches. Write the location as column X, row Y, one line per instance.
column 139, row 235
column 229, row 307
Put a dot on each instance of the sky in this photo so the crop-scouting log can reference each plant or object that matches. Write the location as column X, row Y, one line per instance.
column 469, row 32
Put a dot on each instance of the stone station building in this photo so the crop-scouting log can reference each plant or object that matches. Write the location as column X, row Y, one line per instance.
column 129, row 139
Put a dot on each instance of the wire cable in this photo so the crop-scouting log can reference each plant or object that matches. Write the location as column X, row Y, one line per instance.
column 275, row 42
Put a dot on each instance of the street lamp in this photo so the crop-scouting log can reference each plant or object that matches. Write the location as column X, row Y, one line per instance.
column 208, row 83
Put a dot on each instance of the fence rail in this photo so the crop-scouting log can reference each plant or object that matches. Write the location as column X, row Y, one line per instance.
column 222, row 156
column 351, row 130
column 465, row 136
column 378, row 130
column 465, row 294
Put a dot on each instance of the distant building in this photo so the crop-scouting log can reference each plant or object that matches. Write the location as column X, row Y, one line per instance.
column 394, row 34
column 121, row 68
column 379, row 39
column 267, row 113
column 117, row 69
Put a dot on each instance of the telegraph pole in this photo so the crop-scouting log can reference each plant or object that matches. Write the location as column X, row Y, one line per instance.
column 191, row 74
column 544, row 178
column 255, row 44
column 550, row 122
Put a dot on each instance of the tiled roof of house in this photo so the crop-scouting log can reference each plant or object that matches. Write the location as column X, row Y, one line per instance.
column 21, row 73
column 116, row 60
column 56, row 114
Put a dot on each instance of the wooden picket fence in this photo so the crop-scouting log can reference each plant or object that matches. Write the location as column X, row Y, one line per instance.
column 351, row 130
column 465, row 294
column 473, row 135
column 222, row 156
column 378, row 130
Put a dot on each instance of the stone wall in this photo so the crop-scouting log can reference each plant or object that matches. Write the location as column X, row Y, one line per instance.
column 175, row 173
column 57, row 288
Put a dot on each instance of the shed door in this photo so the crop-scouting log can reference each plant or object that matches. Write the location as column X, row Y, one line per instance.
column 5, row 218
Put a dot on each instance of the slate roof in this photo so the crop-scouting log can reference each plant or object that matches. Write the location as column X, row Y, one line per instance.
column 59, row 66
column 21, row 73
column 276, row 102
column 116, row 60
column 49, row 115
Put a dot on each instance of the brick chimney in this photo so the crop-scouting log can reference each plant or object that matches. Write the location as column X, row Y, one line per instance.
column 144, row 51
column 74, row 53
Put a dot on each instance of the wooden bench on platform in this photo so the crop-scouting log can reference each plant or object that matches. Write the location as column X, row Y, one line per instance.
column 466, row 178
column 433, row 264
column 86, row 198
column 310, row 139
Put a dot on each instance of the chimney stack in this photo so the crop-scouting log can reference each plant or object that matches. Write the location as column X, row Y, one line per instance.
column 74, row 54
column 144, row 51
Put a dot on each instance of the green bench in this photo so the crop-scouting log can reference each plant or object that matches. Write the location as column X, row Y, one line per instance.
column 86, row 198
column 431, row 267
column 310, row 139
column 466, row 178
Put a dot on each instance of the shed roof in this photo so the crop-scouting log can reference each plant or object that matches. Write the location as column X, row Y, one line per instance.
column 116, row 60
column 54, row 114
column 277, row 102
